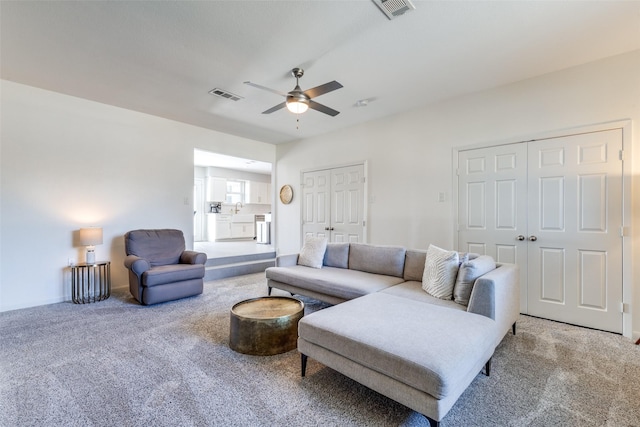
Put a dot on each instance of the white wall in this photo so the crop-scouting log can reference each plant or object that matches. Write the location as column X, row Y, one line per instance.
column 69, row 162
column 237, row 174
column 410, row 155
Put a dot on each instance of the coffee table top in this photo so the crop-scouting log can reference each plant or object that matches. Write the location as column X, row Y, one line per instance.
column 267, row 307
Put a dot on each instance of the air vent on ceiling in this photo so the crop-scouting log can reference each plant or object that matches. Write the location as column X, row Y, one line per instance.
column 394, row 8
column 225, row 94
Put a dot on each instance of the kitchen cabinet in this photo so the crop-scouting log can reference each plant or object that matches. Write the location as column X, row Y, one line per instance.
column 259, row 192
column 223, row 226
column 216, row 189
column 242, row 230
column 211, row 227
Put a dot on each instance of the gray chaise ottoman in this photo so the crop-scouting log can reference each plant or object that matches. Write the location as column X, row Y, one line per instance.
column 421, row 355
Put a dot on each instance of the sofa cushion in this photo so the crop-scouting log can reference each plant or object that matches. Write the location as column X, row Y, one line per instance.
column 467, row 274
column 164, row 274
column 413, row 290
column 433, row 349
column 414, row 264
column 337, row 255
column 312, row 252
column 387, row 260
column 339, row 282
column 440, row 271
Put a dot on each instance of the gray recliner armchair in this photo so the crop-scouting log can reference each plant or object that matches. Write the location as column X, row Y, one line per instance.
column 160, row 269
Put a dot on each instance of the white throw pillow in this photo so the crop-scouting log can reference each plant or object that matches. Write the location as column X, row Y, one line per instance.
column 467, row 275
column 312, row 252
column 440, row 271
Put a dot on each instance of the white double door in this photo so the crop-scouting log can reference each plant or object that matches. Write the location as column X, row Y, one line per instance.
column 333, row 203
column 554, row 207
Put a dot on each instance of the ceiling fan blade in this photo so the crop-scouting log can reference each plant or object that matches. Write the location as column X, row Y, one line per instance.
column 323, row 108
column 322, row 89
column 277, row 92
column 275, row 108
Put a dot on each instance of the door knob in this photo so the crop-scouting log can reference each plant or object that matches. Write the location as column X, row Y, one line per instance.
column 326, row 229
column 520, row 237
column 532, row 238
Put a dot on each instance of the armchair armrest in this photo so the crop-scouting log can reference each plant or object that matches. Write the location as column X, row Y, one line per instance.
column 286, row 260
column 136, row 264
column 193, row 257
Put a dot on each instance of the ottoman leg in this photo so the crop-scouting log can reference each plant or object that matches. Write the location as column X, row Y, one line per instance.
column 303, row 364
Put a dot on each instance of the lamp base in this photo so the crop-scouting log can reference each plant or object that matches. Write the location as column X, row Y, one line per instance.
column 91, row 257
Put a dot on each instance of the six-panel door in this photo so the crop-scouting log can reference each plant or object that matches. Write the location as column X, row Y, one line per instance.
column 554, row 207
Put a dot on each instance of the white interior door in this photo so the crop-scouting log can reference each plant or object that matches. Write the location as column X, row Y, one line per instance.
column 316, row 203
column 333, row 203
column 347, row 204
column 554, row 207
column 575, row 211
column 492, row 203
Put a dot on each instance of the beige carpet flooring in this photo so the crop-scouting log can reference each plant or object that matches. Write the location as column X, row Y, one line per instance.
column 116, row 363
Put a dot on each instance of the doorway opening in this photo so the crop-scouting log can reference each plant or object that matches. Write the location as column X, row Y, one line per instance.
column 232, row 202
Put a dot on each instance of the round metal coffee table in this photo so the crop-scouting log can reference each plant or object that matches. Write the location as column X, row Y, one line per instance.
column 265, row 326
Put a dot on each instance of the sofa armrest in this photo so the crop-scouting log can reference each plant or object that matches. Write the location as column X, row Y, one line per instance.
column 193, row 257
column 136, row 264
column 497, row 295
column 286, row 260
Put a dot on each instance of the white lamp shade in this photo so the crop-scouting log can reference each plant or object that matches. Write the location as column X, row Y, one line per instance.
column 91, row 236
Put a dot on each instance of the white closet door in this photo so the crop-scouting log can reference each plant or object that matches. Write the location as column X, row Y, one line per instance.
column 563, row 198
column 492, row 205
column 333, row 203
column 316, row 203
column 575, row 214
column 347, row 204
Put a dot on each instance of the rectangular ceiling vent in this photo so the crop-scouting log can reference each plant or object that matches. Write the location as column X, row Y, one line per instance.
column 394, row 8
column 225, row 94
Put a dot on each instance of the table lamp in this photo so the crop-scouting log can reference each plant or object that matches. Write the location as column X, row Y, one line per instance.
column 90, row 237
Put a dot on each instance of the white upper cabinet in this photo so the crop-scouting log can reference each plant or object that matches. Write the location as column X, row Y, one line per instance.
column 216, row 189
column 259, row 192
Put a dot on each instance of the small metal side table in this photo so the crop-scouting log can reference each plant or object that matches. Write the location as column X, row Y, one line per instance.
column 90, row 282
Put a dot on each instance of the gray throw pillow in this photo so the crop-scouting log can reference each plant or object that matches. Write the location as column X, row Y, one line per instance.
column 467, row 275
column 312, row 252
column 440, row 270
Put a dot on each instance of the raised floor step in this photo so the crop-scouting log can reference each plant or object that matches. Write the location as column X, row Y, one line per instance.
column 234, row 259
column 220, row 268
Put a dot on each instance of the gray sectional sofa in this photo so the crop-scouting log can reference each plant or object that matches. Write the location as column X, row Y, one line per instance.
column 387, row 333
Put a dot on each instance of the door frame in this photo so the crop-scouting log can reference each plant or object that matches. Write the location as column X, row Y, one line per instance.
column 365, row 207
column 627, row 171
column 200, row 215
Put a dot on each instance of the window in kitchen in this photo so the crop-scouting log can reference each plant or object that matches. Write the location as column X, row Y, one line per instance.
column 235, row 191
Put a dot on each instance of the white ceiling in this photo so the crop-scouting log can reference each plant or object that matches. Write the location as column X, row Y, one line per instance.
column 162, row 57
column 206, row 158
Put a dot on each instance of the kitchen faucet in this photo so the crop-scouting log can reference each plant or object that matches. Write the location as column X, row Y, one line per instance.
column 239, row 203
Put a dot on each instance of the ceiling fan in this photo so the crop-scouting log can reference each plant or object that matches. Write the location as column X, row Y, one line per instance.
column 298, row 101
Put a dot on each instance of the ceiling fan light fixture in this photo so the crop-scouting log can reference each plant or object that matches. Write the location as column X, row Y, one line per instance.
column 297, row 104
column 298, row 101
